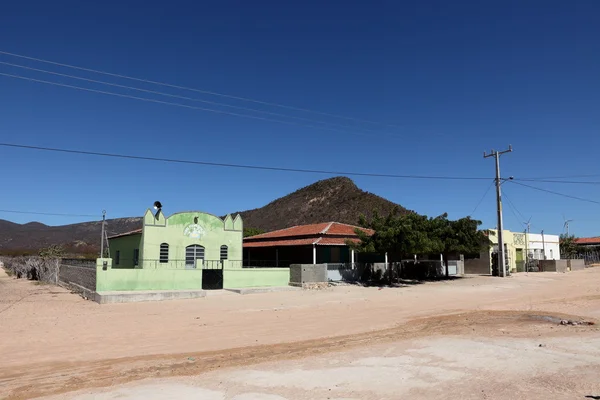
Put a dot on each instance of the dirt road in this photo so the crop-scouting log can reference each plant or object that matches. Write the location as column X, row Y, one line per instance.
column 308, row 344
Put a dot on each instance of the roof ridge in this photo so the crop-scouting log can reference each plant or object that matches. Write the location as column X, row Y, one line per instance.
column 324, row 231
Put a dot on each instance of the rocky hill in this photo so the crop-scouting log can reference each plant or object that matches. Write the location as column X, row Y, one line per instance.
column 336, row 199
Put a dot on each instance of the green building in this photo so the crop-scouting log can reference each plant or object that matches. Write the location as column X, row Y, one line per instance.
column 185, row 251
column 190, row 239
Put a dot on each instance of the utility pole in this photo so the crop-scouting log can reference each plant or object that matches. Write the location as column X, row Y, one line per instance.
column 543, row 245
column 102, row 239
column 501, row 255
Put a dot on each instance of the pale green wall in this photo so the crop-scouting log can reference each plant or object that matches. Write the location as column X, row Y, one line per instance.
column 115, row 279
column 126, row 245
column 255, row 277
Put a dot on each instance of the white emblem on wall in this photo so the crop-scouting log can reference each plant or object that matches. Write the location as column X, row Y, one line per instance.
column 194, row 231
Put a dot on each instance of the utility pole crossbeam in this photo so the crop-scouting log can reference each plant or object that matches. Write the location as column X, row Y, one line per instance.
column 501, row 255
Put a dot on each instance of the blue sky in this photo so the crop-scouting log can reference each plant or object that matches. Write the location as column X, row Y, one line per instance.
column 444, row 80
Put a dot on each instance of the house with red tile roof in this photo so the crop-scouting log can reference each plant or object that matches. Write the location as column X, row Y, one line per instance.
column 325, row 242
column 589, row 241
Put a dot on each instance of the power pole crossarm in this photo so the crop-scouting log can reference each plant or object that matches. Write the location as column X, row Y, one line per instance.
column 501, row 254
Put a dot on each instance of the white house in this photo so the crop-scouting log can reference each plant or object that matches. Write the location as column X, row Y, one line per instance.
column 543, row 247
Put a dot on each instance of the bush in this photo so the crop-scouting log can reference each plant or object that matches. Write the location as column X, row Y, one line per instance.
column 33, row 268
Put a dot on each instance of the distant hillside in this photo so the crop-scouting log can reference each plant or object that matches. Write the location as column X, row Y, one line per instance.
column 336, row 199
column 83, row 237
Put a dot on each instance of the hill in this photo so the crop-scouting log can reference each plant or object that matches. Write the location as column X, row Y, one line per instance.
column 336, row 199
column 77, row 238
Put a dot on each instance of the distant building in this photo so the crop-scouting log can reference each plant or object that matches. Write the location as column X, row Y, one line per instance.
column 305, row 244
column 519, row 248
column 588, row 242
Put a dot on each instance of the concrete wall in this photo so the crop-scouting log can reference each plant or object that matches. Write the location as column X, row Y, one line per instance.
column 255, row 277
column 308, row 273
column 79, row 272
column 119, row 279
column 125, row 245
column 478, row 266
column 576, row 265
column 553, row 265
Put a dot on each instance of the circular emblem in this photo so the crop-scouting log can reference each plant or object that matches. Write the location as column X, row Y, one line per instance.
column 194, row 231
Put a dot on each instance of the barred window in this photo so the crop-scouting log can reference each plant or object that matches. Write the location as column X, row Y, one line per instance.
column 164, row 253
column 192, row 253
column 224, row 251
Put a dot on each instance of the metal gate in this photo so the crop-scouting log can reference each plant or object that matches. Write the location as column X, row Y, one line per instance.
column 212, row 275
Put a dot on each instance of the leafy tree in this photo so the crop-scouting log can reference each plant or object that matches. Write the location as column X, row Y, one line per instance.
column 404, row 235
column 399, row 235
column 568, row 246
column 461, row 236
column 252, row 232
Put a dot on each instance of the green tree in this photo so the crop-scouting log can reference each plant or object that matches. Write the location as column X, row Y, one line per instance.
column 399, row 235
column 568, row 246
column 404, row 235
column 456, row 237
column 252, row 232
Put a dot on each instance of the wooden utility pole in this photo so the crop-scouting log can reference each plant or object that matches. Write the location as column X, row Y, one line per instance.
column 501, row 254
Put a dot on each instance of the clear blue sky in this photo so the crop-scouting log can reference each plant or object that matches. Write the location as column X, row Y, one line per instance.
column 453, row 78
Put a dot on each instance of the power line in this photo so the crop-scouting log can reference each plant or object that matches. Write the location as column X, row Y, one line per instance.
column 47, row 213
column 187, row 98
column 482, row 198
column 256, row 167
column 556, row 193
column 565, row 176
column 557, row 181
column 179, row 104
column 199, row 90
column 514, row 208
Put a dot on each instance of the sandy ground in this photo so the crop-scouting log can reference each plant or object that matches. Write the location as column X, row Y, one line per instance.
column 477, row 337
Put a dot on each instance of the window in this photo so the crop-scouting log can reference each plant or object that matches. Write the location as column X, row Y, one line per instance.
column 224, row 250
column 164, row 253
column 117, row 257
column 136, row 257
column 551, row 254
column 193, row 253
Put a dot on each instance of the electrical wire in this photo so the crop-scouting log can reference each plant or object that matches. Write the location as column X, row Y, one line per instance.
column 555, row 193
column 181, row 105
column 47, row 213
column 557, row 181
column 256, row 167
column 482, row 197
column 514, row 208
column 186, row 98
column 199, row 90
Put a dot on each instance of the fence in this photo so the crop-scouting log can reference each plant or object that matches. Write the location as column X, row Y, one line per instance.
column 406, row 269
column 184, row 264
column 79, row 272
column 589, row 257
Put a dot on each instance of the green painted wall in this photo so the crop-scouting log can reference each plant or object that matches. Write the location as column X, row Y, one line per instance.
column 255, row 277
column 125, row 245
column 115, row 279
